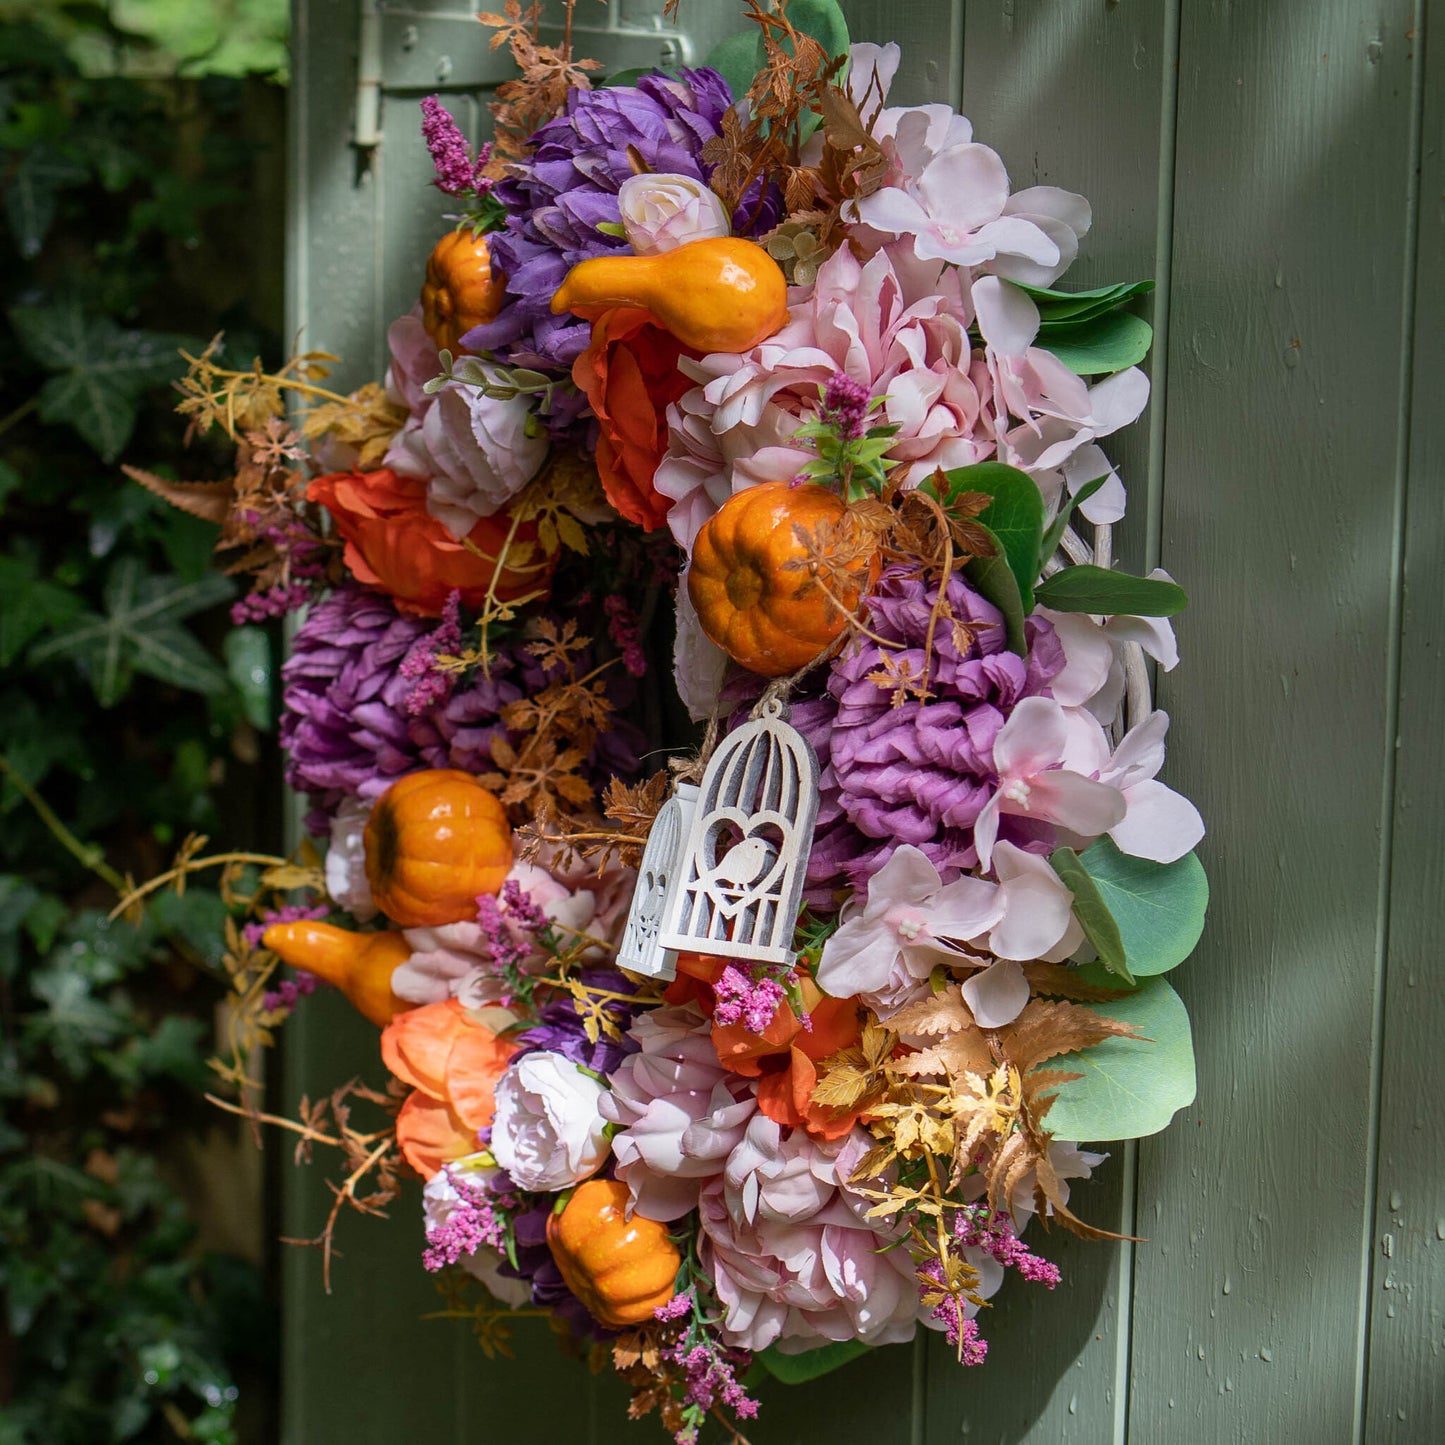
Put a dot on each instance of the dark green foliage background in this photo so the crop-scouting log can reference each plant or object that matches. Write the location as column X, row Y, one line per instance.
column 129, row 706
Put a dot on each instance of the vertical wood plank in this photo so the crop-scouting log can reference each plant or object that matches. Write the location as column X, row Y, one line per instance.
column 1283, row 396
column 1075, row 95
column 1405, row 1384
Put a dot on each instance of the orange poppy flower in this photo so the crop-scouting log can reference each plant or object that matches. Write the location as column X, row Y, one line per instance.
column 784, row 1057
column 453, row 1063
column 395, row 545
column 629, row 374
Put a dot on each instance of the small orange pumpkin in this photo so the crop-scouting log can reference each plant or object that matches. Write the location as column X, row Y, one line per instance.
column 461, row 289
column 435, row 841
column 772, row 617
column 621, row 1269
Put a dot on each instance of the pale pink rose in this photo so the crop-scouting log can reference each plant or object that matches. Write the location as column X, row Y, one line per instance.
column 896, row 326
column 794, row 1260
column 548, row 1133
column 662, row 211
column 680, row 1112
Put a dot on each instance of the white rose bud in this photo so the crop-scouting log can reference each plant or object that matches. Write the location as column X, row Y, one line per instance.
column 662, row 212
column 548, row 1133
column 346, row 861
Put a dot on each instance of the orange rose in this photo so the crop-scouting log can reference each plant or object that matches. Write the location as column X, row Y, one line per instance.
column 393, row 544
column 452, row 1062
column 630, row 376
column 784, row 1057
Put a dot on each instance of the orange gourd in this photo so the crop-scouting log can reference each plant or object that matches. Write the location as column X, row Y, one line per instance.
column 719, row 294
column 751, row 584
column 461, row 289
column 359, row 964
column 435, row 841
column 621, row 1269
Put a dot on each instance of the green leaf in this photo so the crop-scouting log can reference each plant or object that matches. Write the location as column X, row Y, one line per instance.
column 1063, row 306
column 1131, row 1087
column 737, row 59
column 73, row 1023
column 1067, row 508
column 102, row 370
column 1015, row 517
column 1098, row 923
column 1158, row 907
column 31, row 193
column 18, row 896
column 1099, row 590
column 993, row 579
column 196, row 917
column 811, row 1364
column 10, row 481
column 1101, row 344
column 248, row 664
column 139, row 633
column 29, row 606
column 824, row 21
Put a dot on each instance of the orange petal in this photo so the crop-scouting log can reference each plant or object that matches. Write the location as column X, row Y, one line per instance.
column 416, row 1045
column 478, row 1060
column 430, row 1135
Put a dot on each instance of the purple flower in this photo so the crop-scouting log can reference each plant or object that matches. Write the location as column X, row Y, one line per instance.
column 921, row 772
column 557, row 199
column 344, row 721
column 560, row 1028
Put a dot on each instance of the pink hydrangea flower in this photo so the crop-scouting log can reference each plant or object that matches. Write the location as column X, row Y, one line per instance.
column 680, row 1112
column 895, row 327
column 793, row 1258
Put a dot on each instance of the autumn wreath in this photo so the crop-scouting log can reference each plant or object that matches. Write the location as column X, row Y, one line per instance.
column 773, row 1054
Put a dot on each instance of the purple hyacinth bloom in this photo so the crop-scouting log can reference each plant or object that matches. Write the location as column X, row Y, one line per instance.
column 556, row 200
column 921, row 772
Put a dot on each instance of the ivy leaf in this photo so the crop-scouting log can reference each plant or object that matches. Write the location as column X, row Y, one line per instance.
column 1130, row 1086
column 31, row 193
column 73, row 1023
column 28, row 606
column 18, row 896
column 139, row 632
column 1101, row 590
column 1157, row 908
column 101, row 370
column 1099, row 924
column 799, row 1369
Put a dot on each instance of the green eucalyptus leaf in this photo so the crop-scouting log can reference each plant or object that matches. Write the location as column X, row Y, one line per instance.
column 824, row 21
column 811, row 1364
column 1067, row 508
column 1100, row 590
column 1130, row 1087
column 1090, row 908
column 993, row 579
column 1101, row 344
column 1015, row 517
column 737, row 59
column 1062, row 306
column 1158, row 908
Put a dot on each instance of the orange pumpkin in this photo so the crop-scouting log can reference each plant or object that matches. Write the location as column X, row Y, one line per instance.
column 461, row 289
column 751, row 584
column 434, row 842
column 621, row 1269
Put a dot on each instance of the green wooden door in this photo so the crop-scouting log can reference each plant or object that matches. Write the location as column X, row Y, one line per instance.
column 1278, row 168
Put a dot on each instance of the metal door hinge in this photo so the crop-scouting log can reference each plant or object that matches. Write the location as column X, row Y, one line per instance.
column 406, row 49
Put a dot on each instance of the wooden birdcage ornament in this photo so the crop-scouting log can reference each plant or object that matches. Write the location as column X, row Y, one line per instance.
column 640, row 951
column 745, row 854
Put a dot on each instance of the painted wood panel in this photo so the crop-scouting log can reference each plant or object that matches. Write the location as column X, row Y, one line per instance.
column 1259, row 161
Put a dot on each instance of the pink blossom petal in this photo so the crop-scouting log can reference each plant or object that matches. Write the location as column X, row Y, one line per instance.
column 997, row 995
column 965, row 187
column 964, row 909
column 1074, row 802
column 1038, row 908
column 1160, row 824
column 1007, row 318
column 871, row 69
column 1088, row 656
column 907, row 877
column 1140, row 753
column 890, row 209
column 1118, row 400
column 1067, row 208
column 1032, row 739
